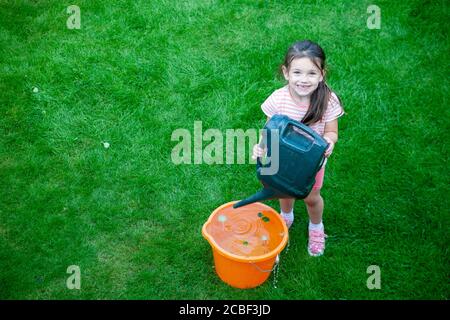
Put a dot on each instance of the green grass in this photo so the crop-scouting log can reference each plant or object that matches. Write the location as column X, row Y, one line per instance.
column 137, row 71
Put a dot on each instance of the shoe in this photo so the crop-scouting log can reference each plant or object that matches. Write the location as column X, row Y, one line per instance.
column 289, row 222
column 316, row 243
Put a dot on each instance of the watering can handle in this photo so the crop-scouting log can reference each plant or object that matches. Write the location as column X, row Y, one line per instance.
column 304, row 128
column 258, row 161
column 308, row 131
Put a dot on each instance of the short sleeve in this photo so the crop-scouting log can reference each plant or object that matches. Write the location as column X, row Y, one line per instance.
column 269, row 107
column 334, row 109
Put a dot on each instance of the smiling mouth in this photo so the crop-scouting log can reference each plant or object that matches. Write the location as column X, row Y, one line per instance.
column 303, row 87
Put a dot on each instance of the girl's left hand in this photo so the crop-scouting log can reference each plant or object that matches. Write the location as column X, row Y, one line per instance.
column 330, row 148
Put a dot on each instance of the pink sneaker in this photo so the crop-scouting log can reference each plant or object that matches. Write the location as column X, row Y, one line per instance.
column 316, row 244
column 289, row 220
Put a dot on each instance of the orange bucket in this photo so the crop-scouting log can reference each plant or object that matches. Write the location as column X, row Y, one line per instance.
column 245, row 242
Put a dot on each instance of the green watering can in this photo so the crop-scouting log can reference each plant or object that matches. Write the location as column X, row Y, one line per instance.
column 295, row 153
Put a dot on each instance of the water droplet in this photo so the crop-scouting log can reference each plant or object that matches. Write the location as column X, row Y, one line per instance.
column 222, row 218
column 287, row 247
column 275, row 271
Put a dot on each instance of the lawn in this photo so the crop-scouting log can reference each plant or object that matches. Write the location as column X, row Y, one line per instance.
column 135, row 71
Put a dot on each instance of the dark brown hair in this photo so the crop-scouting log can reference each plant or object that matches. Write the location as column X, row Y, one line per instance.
column 321, row 96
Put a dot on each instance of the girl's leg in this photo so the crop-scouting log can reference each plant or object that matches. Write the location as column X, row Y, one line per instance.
column 287, row 210
column 314, row 205
column 287, row 204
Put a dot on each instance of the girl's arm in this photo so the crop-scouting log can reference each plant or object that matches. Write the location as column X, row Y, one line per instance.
column 258, row 149
column 260, row 143
column 331, row 135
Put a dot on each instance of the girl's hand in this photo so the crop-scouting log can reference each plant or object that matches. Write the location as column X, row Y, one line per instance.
column 258, row 151
column 330, row 148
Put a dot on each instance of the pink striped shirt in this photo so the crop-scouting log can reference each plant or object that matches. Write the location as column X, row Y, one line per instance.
column 281, row 102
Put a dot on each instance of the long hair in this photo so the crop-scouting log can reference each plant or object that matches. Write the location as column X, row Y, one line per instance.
column 321, row 96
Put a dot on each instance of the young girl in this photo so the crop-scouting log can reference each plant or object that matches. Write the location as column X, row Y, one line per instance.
column 306, row 98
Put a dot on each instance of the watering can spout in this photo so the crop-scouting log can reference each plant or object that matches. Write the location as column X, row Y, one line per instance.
column 261, row 195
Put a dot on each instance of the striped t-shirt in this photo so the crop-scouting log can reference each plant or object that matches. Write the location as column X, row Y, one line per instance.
column 281, row 102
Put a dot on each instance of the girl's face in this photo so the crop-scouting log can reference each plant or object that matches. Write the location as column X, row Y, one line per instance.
column 303, row 77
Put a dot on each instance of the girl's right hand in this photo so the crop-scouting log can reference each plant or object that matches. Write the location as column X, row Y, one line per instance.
column 258, row 151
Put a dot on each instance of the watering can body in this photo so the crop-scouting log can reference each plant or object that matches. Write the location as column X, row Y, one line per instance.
column 300, row 156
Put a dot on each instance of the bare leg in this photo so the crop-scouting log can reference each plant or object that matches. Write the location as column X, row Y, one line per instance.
column 287, row 204
column 314, row 205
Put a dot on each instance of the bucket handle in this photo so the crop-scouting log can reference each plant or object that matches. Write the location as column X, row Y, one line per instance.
column 277, row 261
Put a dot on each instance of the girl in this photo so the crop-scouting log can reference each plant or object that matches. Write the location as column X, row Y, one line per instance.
column 306, row 98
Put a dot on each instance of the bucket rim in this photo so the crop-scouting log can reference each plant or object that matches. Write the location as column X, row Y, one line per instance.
column 273, row 253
